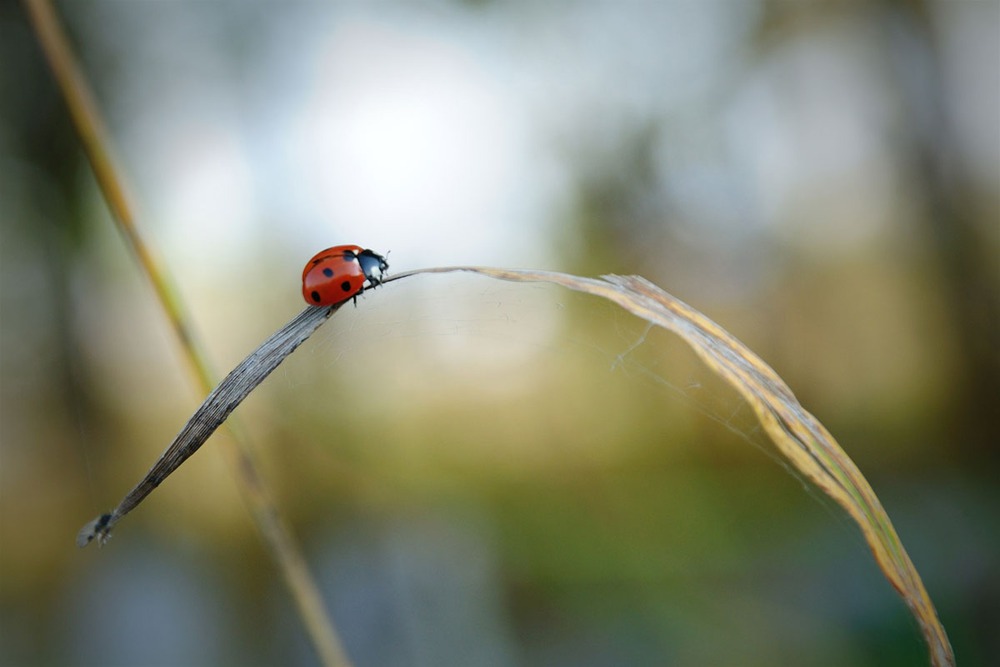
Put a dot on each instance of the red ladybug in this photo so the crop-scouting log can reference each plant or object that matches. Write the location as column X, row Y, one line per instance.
column 339, row 273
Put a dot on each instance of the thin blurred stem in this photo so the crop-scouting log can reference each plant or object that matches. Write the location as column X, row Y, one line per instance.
column 90, row 128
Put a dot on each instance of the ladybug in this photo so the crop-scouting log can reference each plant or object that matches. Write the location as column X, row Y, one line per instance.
column 339, row 273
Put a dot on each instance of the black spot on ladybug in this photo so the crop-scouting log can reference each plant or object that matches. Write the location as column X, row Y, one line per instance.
column 315, row 296
column 346, row 286
column 328, row 272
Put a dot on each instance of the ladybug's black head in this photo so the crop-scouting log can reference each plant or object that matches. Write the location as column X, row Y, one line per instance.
column 373, row 265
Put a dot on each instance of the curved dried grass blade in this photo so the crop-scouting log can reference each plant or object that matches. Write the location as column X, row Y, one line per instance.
column 797, row 434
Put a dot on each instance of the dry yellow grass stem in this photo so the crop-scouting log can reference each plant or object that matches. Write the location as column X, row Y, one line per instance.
column 90, row 128
column 798, row 435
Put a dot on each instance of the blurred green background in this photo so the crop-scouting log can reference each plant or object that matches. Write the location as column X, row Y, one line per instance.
column 493, row 474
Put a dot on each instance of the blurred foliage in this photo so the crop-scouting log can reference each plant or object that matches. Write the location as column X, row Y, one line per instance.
column 466, row 461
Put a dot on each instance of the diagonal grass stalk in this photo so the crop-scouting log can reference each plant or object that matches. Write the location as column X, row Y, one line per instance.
column 97, row 147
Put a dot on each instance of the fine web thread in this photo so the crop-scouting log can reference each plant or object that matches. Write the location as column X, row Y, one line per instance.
column 503, row 314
